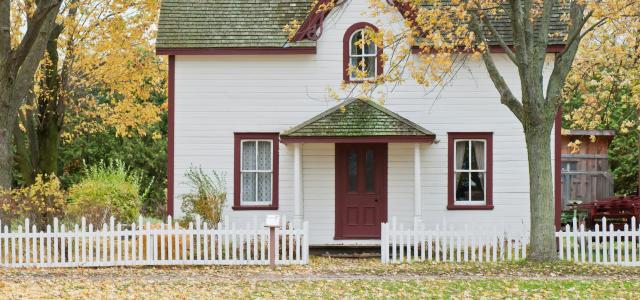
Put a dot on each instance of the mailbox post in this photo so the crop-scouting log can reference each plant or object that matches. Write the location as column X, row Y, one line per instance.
column 272, row 222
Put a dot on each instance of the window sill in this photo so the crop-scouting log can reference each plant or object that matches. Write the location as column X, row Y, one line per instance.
column 255, row 207
column 470, row 207
column 371, row 80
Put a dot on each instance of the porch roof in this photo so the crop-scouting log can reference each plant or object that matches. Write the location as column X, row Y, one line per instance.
column 356, row 120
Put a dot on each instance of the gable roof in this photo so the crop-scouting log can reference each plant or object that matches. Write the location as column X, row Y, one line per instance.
column 229, row 24
column 358, row 118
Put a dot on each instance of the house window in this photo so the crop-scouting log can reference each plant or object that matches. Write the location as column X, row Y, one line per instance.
column 362, row 57
column 470, row 170
column 256, row 171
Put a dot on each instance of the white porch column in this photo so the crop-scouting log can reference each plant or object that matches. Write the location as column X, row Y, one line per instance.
column 417, row 185
column 297, row 185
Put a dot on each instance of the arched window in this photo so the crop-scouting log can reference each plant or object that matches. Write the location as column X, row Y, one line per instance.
column 361, row 55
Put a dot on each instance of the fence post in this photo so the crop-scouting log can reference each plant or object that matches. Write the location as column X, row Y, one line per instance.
column 634, row 232
column 272, row 247
column 150, row 244
column 384, row 244
column 27, row 245
column 305, row 242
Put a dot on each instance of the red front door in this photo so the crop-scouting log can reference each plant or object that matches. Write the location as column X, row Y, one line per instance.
column 361, row 190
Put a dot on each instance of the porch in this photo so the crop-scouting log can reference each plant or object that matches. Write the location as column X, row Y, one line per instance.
column 345, row 160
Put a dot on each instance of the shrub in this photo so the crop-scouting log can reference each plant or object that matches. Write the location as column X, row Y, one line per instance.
column 206, row 197
column 107, row 190
column 40, row 202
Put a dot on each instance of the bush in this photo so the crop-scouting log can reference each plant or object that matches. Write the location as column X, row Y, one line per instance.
column 40, row 202
column 206, row 198
column 107, row 190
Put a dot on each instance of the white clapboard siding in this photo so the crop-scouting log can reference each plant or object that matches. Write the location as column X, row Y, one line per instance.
column 449, row 244
column 604, row 244
column 217, row 95
column 146, row 244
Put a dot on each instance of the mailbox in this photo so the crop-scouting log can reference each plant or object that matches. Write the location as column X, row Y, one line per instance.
column 272, row 221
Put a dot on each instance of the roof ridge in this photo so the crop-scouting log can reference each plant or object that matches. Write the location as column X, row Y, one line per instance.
column 319, row 116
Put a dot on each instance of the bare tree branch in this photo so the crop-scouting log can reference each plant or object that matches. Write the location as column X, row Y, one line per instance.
column 24, row 77
column 519, row 34
column 528, row 25
column 564, row 60
column 506, row 96
column 494, row 33
column 542, row 40
column 5, row 30
column 575, row 32
column 34, row 26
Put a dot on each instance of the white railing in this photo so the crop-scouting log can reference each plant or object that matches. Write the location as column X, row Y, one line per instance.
column 605, row 244
column 150, row 244
column 449, row 244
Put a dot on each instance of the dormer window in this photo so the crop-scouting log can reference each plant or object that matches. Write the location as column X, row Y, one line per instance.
column 362, row 59
column 363, row 56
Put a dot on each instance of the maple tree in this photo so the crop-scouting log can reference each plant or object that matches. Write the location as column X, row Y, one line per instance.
column 98, row 71
column 448, row 32
column 603, row 91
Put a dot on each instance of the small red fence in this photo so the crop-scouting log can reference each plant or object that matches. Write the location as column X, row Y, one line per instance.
column 618, row 210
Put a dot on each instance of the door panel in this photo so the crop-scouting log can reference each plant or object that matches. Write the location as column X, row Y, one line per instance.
column 361, row 190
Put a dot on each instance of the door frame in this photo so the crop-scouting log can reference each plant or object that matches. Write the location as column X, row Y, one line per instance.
column 340, row 186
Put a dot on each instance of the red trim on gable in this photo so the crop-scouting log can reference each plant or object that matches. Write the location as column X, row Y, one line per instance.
column 488, row 136
column 358, row 139
column 557, row 191
column 313, row 25
column 171, row 133
column 237, row 138
column 345, row 50
column 499, row 49
column 236, row 51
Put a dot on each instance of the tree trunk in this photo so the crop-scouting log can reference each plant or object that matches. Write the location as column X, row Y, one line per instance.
column 50, row 110
column 7, row 119
column 543, row 242
column 16, row 79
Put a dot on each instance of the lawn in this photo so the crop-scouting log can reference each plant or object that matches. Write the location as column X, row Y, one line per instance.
column 328, row 278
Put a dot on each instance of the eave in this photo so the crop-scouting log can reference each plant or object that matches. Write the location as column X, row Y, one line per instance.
column 236, row 51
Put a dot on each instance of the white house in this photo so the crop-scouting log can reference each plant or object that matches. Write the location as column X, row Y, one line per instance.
column 244, row 101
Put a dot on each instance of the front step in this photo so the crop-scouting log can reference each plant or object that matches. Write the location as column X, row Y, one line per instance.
column 346, row 251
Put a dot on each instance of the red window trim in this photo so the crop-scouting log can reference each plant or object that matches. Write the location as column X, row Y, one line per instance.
column 238, row 137
column 451, row 203
column 345, row 50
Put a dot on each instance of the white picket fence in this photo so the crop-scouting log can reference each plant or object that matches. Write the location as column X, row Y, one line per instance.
column 449, row 244
column 604, row 244
column 147, row 244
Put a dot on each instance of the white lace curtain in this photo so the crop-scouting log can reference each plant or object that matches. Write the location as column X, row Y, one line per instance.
column 257, row 171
